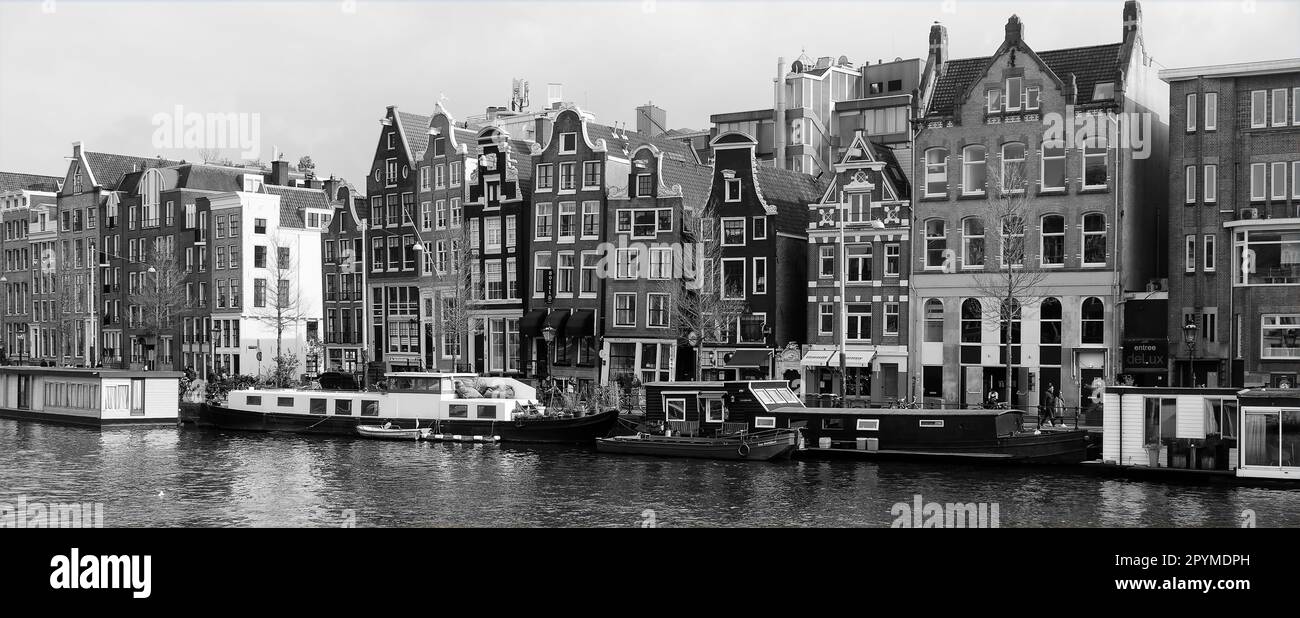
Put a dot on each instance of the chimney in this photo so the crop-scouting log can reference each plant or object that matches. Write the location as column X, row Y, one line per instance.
column 1015, row 31
column 76, row 149
column 778, row 146
column 280, row 172
column 938, row 44
column 1132, row 18
column 554, row 95
column 331, row 186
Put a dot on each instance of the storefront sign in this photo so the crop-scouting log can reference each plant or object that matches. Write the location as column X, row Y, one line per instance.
column 1145, row 353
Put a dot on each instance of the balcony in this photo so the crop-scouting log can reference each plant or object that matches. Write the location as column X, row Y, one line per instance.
column 149, row 223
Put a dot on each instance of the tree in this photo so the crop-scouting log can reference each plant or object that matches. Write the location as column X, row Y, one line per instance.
column 1008, row 279
column 454, row 281
column 160, row 294
column 698, row 308
column 305, row 165
column 280, row 305
column 211, row 155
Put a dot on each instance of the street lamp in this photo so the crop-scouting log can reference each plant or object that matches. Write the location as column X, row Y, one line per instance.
column 4, row 336
column 212, row 345
column 1189, row 338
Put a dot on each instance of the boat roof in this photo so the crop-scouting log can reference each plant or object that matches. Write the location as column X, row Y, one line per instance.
column 428, row 374
column 897, row 411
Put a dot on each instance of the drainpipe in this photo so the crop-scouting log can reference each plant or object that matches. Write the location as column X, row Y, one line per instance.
column 778, row 132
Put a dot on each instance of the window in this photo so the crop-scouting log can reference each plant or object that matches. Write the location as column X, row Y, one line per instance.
column 259, row 226
column 259, row 257
column 590, row 219
column 891, row 318
column 892, row 258
column 1258, row 181
column 627, row 263
column 760, row 228
column 973, row 170
column 661, row 263
column 1191, row 112
column 1269, row 257
column 590, row 278
column 675, row 409
column 936, row 243
column 1258, row 109
column 545, row 176
column 936, row 172
column 1053, row 164
column 543, row 224
column 1211, row 189
column 390, row 171
column 1209, row 253
column 566, row 176
column 733, row 231
column 1189, row 257
column 456, row 212
column 492, row 235
column 564, row 285
column 1014, row 176
column 933, row 321
column 825, row 319
column 1278, row 336
column 424, row 177
column 1211, row 111
column 541, row 266
column 657, row 310
column 993, row 101
column 731, row 189
column 495, row 285
column 1094, row 163
column 440, row 215
column 1031, row 98
column 1013, row 94
column 591, row 174
column 1093, row 321
column 1295, row 177
column 1094, row 239
column 625, row 310
column 760, row 275
column 859, row 322
column 568, row 143
column 733, row 278
column 643, row 186
column 568, row 221
column 972, row 240
column 826, row 257
column 1279, row 107
column 1279, row 181
column 1189, row 184
column 1052, row 252
column 259, row 292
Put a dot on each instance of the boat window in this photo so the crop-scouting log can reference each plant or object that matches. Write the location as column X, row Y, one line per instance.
column 487, row 411
column 868, row 424
column 432, row 385
column 370, row 407
column 832, row 423
column 401, row 384
column 713, row 411
column 253, row 400
column 458, row 410
column 317, row 406
column 284, row 402
column 931, row 422
column 765, row 422
column 343, row 406
column 675, row 409
column 764, row 396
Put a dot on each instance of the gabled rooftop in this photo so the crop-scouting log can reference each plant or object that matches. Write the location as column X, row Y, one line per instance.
column 1089, row 65
column 14, row 181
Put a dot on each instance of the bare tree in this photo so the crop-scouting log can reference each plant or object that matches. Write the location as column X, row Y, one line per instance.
column 281, row 304
column 454, row 282
column 1009, row 280
column 210, row 155
column 160, row 294
column 699, row 305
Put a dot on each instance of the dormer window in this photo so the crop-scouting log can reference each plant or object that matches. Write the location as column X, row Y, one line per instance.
column 731, row 187
column 1103, row 91
column 568, row 143
column 643, row 185
column 252, row 183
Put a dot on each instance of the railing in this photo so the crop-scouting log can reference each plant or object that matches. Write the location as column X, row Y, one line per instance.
column 344, row 337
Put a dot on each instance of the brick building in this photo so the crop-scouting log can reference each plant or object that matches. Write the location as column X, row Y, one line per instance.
column 18, row 194
column 1234, row 224
column 344, row 269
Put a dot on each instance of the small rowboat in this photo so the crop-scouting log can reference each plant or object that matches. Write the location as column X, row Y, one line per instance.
column 427, row 434
column 756, row 446
column 381, row 432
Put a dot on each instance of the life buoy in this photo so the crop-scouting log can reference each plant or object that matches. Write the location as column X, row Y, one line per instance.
column 743, row 450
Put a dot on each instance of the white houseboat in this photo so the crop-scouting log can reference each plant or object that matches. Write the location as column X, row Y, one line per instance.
column 89, row 396
column 1270, row 433
column 447, row 403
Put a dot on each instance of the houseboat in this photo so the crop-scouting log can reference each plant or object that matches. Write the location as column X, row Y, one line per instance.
column 89, row 396
column 712, row 408
column 446, row 403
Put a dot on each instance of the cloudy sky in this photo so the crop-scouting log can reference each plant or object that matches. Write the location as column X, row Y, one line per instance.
column 320, row 74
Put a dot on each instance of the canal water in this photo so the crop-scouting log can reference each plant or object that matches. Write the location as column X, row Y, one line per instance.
column 169, row 476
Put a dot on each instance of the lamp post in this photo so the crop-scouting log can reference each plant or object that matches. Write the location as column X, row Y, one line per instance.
column 548, row 335
column 1189, row 338
column 4, row 336
column 693, row 340
column 212, row 345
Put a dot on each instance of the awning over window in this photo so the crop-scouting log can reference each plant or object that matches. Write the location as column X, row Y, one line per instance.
column 582, row 324
column 531, row 324
column 557, row 319
column 852, row 358
column 817, row 358
column 748, row 358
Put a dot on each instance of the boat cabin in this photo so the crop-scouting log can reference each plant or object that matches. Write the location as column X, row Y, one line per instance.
column 708, row 408
column 1163, row 427
column 1270, row 433
column 89, row 396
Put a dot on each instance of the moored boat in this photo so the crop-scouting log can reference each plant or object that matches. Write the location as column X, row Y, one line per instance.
column 445, row 403
column 380, row 432
column 757, row 446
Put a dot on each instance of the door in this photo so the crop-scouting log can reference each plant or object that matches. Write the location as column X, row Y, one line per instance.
column 137, row 397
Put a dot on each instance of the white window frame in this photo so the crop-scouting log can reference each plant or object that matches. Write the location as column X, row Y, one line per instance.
column 897, row 260
column 967, row 164
column 764, row 422
column 1084, row 156
column 723, row 230
column 1211, row 119
column 627, row 267
column 582, row 222
column 965, row 244
column 1279, row 93
column 1189, row 184
column 1210, row 184
column 582, row 270
column 1209, row 252
column 544, row 211
column 567, row 137
column 1262, row 184
column 539, row 288
column 1018, row 90
column 1042, row 166
column 897, row 309
column 935, row 171
column 760, row 222
column 1042, row 241
column 1295, row 177
column 823, row 310
column 760, row 289
column 1023, row 161
column 731, row 189
column 1263, row 326
column 661, row 263
column 649, row 302
column 929, row 238
column 1277, row 186
column 424, row 177
column 825, row 252
column 930, row 423
column 722, row 278
column 560, row 269
column 560, row 236
column 993, row 100
column 1191, row 112
column 1084, row 234
column 1260, row 98
column 545, row 171
column 617, row 309
column 1189, row 253
column 868, row 424
column 1033, row 102
column 573, row 177
column 712, row 405
column 599, row 175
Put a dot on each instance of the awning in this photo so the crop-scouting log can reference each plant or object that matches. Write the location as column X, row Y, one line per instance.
column 748, row 358
column 817, row 358
column 582, row 324
column 531, row 324
column 557, row 319
column 852, row 358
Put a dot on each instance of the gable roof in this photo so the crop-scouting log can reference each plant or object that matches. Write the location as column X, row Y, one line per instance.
column 11, row 181
column 415, row 128
column 790, row 193
column 672, row 149
column 196, row 176
column 109, row 169
column 695, row 180
column 1090, row 65
column 294, row 199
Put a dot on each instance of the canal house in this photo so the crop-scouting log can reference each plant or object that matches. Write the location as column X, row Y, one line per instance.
column 1270, row 433
column 1185, row 428
column 94, row 397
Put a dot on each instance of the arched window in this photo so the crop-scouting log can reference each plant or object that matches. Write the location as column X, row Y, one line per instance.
column 936, row 242
column 150, row 189
column 974, row 171
column 1049, row 332
column 936, row 172
column 1094, row 239
column 1052, row 249
column 1015, row 175
column 971, row 320
column 972, row 243
column 1092, row 321
column 934, row 321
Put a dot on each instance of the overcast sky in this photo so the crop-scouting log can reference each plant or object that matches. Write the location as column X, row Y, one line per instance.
column 320, row 75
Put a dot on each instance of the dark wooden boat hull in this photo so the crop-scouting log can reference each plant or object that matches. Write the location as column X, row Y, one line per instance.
column 577, row 430
column 702, row 448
